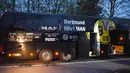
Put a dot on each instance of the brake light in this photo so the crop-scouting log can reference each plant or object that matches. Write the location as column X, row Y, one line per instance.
column 1, row 48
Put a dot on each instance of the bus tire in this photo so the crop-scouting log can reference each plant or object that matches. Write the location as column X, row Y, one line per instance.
column 66, row 57
column 46, row 56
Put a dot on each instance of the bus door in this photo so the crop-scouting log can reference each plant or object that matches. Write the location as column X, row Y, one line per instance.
column 102, row 28
column 93, row 45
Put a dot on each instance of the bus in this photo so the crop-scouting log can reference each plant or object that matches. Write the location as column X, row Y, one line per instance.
column 48, row 37
column 120, row 38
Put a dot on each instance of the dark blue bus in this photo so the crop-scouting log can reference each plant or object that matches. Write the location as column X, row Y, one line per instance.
column 48, row 37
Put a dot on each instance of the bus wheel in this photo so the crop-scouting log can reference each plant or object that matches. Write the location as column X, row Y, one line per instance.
column 46, row 56
column 66, row 57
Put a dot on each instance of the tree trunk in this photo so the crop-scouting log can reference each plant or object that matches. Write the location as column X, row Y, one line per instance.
column 28, row 6
column 13, row 3
column 38, row 6
column 33, row 5
column 112, row 7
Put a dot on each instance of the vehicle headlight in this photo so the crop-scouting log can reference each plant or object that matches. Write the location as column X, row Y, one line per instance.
column 20, row 40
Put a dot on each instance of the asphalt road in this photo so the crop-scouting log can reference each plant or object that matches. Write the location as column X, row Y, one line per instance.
column 79, row 66
column 14, row 62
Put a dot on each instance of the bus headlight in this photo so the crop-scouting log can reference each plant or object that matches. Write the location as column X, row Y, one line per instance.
column 14, row 54
column 20, row 40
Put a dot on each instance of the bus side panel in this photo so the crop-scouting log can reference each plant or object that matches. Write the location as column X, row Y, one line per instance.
column 58, row 47
column 22, row 48
column 83, row 46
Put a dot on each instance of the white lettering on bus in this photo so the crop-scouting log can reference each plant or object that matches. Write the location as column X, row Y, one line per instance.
column 80, row 28
column 48, row 28
column 51, row 39
column 73, row 22
column 69, row 28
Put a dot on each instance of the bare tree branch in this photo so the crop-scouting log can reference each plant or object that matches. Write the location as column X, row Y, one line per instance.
column 119, row 7
column 115, row 7
column 122, row 12
column 106, row 7
column 120, row 3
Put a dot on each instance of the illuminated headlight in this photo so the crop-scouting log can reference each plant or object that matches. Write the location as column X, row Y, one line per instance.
column 21, row 40
column 16, row 54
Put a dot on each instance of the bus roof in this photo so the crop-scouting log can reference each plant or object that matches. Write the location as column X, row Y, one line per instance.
column 121, row 23
column 28, row 13
column 36, row 20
